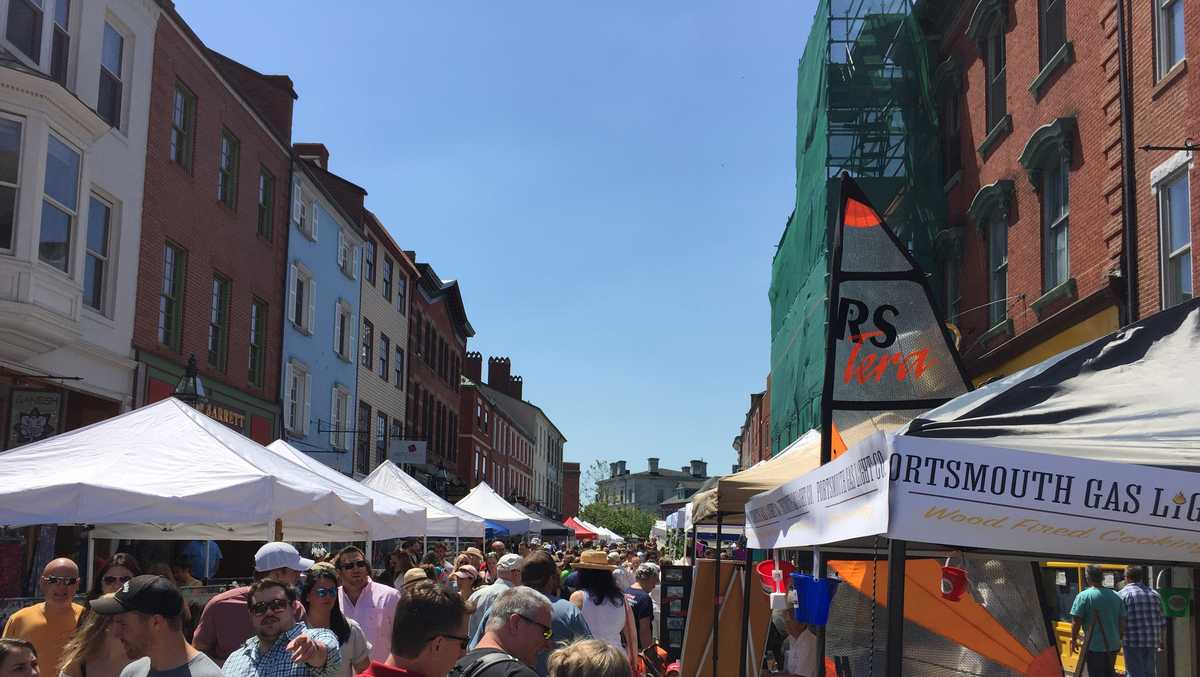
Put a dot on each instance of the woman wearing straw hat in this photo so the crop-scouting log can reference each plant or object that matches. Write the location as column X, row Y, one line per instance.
column 603, row 603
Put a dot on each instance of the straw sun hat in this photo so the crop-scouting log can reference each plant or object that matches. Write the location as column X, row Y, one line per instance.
column 593, row 559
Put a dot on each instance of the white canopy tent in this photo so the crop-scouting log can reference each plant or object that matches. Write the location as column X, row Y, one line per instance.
column 601, row 533
column 486, row 503
column 167, row 471
column 394, row 517
column 446, row 520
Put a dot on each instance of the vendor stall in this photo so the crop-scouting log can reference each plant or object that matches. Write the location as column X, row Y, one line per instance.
column 486, row 503
column 446, row 520
column 582, row 533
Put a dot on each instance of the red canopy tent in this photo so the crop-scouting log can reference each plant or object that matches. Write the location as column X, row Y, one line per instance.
column 581, row 533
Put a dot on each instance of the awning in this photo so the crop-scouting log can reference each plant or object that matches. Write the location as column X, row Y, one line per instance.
column 729, row 493
column 544, row 525
column 582, row 533
column 486, row 503
column 446, row 520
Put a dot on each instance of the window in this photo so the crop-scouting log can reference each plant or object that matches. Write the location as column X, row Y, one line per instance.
column 388, row 268
column 362, row 458
column 60, row 204
column 256, row 365
column 218, row 323
column 25, row 27
column 183, row 123
column 368, row 344
column 398, row 365
column 1168, row 34
column 302, row 298
column 227, row 169
column 994, row 69
column 110, row 99
column 266, row 203
column 339, row 419
column 170, row 299
column 397, row 429
column 343, row 330
column 60, row 43
column 10, row 172
column 381, row 438
column 997, row 257
column 95, row 267
column 343, row 253
column 1055, row 213
column 1052, row 28
column 402, row 294
column 297, row 398
column 1175, row 220
column 304, row 213
column 385, row 354
column 369, row 263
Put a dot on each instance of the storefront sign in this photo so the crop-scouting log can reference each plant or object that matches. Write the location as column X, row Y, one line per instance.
column 975, row 496
column 222, row 414
column 844, row 499
column 34, row 415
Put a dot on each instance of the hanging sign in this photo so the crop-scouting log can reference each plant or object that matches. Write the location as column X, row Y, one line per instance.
column 958, row 494
column 407, row 451
column 841, row 500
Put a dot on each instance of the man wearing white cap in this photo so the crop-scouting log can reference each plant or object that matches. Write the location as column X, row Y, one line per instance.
column 225, row 624
column 508, row 574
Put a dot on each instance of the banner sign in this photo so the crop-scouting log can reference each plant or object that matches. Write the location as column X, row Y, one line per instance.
column 841, row 500
column 406, row 451
column 960, row 494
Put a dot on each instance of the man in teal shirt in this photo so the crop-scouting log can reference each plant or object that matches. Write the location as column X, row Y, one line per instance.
column 1101, row 611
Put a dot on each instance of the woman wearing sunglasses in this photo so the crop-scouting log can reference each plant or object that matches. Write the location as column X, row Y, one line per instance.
column 93, row 651
column 319, row 596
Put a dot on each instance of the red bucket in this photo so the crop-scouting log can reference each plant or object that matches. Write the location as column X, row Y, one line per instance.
column 766, row 571
column 954, row 583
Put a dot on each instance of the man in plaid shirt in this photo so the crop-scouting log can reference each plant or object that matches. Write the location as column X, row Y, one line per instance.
column 281, row 645
column 1143, row 624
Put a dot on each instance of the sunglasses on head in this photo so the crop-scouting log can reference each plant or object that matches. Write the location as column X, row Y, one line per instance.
column 357, row 564
column 109, row 580
column 260, row 608
column 60, row 580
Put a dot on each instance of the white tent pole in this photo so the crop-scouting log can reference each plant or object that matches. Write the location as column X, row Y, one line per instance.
column 91, row 555
column 370, row 549
column 424, row 544
column 207, row 558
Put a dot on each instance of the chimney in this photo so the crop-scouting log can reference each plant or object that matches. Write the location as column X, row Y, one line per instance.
column 500, row 377
column 699, row 468
column 473, row 366
column 317, row 152
column 653, row 462
column 736, row 468
column 621, row 468
column 686, row 470
column 612, row 469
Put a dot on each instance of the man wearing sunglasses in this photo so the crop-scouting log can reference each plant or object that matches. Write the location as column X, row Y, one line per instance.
column 429, row 634
column 224, row 625
column 49, row 624
column 369, row 603
column 516, row 631
column 282, row 646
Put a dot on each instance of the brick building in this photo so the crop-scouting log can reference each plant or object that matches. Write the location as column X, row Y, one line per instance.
column 438, row 330
column 753, row 442
column 213, row 242
column 494, row 447
column 570, row 501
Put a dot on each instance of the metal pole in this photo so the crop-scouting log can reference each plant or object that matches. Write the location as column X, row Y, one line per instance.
column 1129, row 258
column 746, row 581
column 897, row 551
column 207, row 559
column 370, row 550
column 716, row 631
column 91, row 555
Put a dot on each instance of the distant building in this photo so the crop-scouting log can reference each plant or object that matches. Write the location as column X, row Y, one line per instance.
column 753, row 443
column 570, row 500
column 647, row 490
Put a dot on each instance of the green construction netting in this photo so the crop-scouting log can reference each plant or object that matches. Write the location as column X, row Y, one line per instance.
column 864, row 106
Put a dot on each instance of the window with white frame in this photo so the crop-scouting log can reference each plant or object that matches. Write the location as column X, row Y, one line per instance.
column 385, row 356
column 302, row 298
column 297, row 397
column 1056, row 211
column 24, row 27
column 996, row 91
column 343, row 330
column 95, row 267
column 346, row 254
column 1175, row 231
column 304, row 212
column 1168, row 34
column 339, row 417
column 402, row 294
column 10, row 173
column 60, row 204
column 111, row 98
column 997, row 260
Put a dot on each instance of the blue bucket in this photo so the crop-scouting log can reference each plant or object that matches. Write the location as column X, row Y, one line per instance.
column 813, row 596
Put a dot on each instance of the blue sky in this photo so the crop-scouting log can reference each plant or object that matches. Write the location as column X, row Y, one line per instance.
column 606, row 180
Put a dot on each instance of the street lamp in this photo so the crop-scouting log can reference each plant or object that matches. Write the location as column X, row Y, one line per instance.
column 440, row 479
column 190, row 388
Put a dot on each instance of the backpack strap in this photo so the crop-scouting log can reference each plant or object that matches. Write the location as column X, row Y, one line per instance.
column 485, row 661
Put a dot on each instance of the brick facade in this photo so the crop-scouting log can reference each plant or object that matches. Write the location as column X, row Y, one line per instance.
column 570, row 501
column 181, row 207
column 753, row 443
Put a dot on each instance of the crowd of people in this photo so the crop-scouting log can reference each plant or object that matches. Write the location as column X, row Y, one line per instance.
column 540, row 611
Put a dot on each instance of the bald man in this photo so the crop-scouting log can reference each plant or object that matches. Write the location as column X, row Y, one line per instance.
column 499, row 548
column 49, row 624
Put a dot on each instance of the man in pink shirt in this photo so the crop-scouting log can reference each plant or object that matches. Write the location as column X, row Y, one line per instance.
column 372, row 605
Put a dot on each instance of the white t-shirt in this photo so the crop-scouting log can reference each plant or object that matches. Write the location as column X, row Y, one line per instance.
column 801, row 654
column 354, row 650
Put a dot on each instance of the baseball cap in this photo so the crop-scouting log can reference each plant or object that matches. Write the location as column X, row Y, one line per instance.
column 277, row 555
column 510, row 562
column 647, row 569
column 535, row 541
column 148, row 594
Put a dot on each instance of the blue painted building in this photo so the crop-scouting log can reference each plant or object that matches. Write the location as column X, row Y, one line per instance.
column 320, row 367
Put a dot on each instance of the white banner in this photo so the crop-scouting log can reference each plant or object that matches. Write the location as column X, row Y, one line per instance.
column 966, row 495
column 844, row 499
column 406, row 451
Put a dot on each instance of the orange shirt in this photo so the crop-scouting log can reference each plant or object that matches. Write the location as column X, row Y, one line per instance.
column 47, row 633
